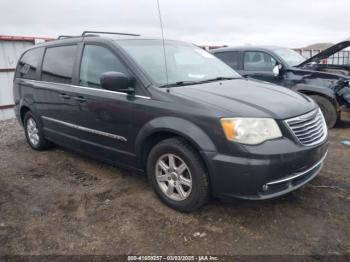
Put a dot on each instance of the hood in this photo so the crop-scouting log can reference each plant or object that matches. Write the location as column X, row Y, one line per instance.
column 327, row 52
column 246, row 98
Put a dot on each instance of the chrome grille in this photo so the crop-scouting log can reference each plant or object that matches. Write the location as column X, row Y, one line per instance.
column 310, row 129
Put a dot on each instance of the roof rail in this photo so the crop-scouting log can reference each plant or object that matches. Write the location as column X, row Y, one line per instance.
column 66, row 36
column 111, row 33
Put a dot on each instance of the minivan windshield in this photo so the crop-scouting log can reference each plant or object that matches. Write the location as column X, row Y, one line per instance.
column 291, row 57
column 186, row 63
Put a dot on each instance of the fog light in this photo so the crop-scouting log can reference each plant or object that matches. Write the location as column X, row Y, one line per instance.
column 265, row 187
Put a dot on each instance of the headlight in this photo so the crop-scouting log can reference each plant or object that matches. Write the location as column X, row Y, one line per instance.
column 250, row 131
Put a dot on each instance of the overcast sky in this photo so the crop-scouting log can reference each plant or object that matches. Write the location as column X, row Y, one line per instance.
column 294, row 23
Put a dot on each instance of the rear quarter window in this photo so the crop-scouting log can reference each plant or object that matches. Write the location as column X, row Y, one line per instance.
column 58, row 64
column 229, row 57
column 28, row 64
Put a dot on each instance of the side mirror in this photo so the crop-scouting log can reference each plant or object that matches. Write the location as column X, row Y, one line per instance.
column 117, row 81
column 276, row 70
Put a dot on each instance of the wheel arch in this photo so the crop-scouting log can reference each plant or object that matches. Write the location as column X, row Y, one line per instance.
column 319, row 91
column 166, row 127
column 24, row 109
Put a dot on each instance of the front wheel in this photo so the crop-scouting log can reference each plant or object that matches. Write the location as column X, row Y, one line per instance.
column 328, row 109
column 177, row 175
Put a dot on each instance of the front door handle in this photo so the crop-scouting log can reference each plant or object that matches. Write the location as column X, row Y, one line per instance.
column 79, row 99
column 64, row 96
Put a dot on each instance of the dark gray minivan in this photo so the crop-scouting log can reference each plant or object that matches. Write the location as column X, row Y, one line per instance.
column 179, row 114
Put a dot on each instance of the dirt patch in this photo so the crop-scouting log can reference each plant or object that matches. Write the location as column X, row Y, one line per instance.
column 59, row 202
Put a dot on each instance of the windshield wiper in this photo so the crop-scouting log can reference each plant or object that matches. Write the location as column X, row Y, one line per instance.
column 184, row 83
column 219, row 78
column 180, row 83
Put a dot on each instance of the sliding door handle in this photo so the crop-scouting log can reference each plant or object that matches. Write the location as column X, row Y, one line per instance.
column 64, row 96
column 79, row 99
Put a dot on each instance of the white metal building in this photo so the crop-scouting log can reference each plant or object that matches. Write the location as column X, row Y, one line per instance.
column 339, row 58
column 11, row 47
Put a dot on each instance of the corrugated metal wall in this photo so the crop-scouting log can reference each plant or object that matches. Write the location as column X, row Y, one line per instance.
column 9, row 54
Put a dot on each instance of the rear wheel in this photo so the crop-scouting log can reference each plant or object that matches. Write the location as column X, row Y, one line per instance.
column 34, row 132
column 177, row 175
column 328, row 109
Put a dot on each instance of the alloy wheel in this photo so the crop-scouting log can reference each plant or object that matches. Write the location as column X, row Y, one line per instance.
column 32, row 131
column 173, row 177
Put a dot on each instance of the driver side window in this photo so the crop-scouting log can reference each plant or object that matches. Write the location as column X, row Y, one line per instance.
column 96, row 61
column 258, row 61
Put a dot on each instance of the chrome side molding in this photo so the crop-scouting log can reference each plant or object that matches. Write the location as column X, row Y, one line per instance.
column 93, row 131
column 81, row 87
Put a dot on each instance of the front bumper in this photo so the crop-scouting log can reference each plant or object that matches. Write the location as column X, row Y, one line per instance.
column 264, row 176
column 289, row 183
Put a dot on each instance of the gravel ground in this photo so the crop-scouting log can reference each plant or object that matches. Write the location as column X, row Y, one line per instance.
column 59, row 202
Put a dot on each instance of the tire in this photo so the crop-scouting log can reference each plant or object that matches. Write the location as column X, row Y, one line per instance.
column 180, row 176
column 34, row 132
column 328, row 109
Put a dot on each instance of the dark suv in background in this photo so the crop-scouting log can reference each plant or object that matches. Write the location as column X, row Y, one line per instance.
column 327, row 84
column 190, row 122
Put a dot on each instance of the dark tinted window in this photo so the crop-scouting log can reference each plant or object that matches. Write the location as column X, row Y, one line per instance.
column 58, row 64
column 258, row 61
column 96, row 61
column 230, row 58
column 27, row 66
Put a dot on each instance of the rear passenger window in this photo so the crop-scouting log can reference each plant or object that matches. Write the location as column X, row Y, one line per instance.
column 27, row 66
column 58, row 64
column 230, row 58
column 96, row 61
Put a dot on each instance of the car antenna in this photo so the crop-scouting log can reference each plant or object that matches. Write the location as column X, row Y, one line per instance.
column 163, row 41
